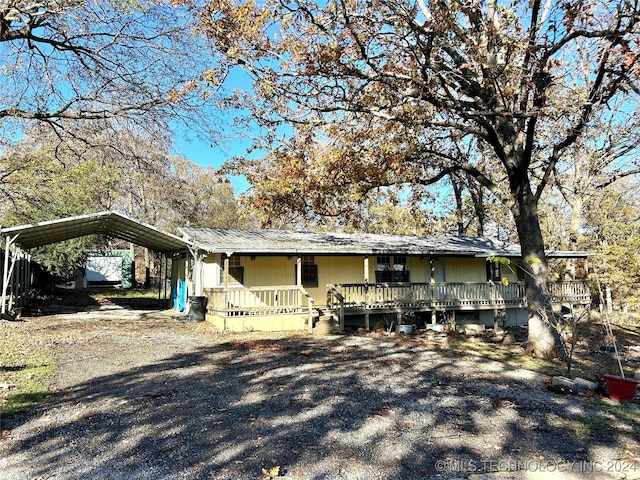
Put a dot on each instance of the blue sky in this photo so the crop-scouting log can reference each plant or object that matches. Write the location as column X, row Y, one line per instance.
column 205, row 154
column 202, row 153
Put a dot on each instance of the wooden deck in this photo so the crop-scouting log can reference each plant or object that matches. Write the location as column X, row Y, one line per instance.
column 355, row 299
column 378, row 298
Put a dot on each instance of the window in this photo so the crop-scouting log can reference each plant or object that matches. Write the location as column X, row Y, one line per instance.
column 309, row 271
column 236, row 270
column 493, row 272
column 520, row 272
column 383, row 264
column 391, row 269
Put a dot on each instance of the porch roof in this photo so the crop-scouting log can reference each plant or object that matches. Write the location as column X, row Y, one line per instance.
column 286, row 242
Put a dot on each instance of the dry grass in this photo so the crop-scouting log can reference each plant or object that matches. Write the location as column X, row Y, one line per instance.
column 98, row 296
column 592, row 356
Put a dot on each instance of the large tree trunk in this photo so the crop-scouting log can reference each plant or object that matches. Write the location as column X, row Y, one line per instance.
column 457, row 185
column 543, row 341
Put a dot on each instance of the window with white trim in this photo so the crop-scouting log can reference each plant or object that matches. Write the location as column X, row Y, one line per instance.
column 392, row 269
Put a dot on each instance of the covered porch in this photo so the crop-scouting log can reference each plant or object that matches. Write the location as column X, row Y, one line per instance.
column 447, row 296
column 286, row 280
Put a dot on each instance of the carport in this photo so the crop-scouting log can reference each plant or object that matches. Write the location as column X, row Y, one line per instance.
column 17, row 241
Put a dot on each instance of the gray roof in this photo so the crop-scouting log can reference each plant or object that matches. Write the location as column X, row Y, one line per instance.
column 282, row 242
column 111, row 224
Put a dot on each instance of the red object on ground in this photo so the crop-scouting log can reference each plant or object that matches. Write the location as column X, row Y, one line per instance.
column 621, row 389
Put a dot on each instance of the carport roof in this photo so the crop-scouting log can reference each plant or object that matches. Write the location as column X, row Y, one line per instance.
column 111, row 224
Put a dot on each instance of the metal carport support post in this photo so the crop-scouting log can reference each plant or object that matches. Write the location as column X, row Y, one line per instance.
column 7, row 271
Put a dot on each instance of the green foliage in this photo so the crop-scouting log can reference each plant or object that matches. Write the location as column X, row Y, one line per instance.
column 198, row 196
column 62, row 259
column 500, row 260
column 616, row 241
column 46, row 177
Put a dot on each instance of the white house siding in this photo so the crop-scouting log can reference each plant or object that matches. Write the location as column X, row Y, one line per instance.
column 211, row 271
column 178, row 267
column 337, row 270
column 438, row 270
column 419, row 270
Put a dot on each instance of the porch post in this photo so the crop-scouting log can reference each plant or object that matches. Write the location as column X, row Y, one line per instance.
column 5, row 269
column 166, row 274
column 299, row 271
column 6, row 274
column 27, row 279
column 226, row 271
column 196, row 271
column 15, row 275
column 198, row 286
column 432, row 281
column 160, row 255
column 11, row 277
column 366, row 268
column 365, row 264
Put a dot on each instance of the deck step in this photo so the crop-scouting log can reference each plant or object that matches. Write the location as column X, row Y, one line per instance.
column 327, row 325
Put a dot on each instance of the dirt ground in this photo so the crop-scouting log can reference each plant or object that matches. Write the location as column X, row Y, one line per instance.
column 141, row 394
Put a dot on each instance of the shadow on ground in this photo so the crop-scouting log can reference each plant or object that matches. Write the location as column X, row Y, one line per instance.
column 342, row 407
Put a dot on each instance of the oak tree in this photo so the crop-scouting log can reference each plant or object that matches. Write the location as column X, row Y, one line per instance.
column 400, row 84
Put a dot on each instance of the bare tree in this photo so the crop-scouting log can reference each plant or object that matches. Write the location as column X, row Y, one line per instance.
column 66, row 61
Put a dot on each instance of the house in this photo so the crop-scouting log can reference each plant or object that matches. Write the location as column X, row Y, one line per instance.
column 319, row 282
column 286, row 280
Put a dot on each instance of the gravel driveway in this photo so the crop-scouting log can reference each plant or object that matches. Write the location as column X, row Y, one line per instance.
column 142, row 395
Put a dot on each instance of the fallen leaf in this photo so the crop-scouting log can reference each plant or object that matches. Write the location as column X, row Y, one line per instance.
column 272, row 472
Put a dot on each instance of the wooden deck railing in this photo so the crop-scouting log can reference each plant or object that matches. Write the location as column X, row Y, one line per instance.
column 278, row 300
column 334, row 297
column 259, row 301
column 447, row 296
column 576, row 292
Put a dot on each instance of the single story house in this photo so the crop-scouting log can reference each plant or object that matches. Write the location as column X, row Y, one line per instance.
column 287, row 280
column 319, row 282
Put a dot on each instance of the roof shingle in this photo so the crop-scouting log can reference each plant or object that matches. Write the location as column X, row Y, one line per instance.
column 285, row 242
